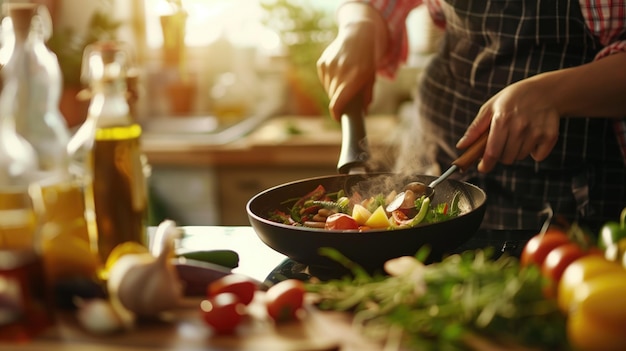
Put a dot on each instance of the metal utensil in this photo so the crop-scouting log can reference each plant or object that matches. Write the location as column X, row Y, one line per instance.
column 415, row 190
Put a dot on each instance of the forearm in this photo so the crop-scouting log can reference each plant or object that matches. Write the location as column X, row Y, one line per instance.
column 352, row 14
column 596, row 89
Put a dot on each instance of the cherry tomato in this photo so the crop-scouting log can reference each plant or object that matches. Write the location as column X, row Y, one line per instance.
column 222, row 312
column 341, row 221
column 555, row 263
column 238, row 284
column 538, row 247
column 400, row 217
column 285, row 299
column 579, row 271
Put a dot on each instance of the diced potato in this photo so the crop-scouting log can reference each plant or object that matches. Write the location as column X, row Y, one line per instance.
column 360, row 214
column 378, row 219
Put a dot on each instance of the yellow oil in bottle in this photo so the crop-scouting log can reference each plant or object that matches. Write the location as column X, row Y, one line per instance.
column 18, row 222
column 69, row 232
column 119, row 189
column 25, row 311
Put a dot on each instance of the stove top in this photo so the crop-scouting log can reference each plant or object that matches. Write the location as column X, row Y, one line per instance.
column 510, row 242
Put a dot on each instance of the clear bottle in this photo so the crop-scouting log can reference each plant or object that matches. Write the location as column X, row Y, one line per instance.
column 109, row 142
column 37, row 70
column 18, row 165
column 25, row 311
column 68, row 239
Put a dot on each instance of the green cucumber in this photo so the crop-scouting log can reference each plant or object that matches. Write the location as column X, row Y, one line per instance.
column 225, row 258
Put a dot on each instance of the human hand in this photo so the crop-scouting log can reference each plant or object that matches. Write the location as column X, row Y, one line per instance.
column 521, row 120
column 348, row 66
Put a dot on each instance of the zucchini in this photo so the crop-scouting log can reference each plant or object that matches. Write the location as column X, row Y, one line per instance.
column 225, row 258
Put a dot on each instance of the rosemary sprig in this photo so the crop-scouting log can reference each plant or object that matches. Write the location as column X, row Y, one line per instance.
column 435, row 309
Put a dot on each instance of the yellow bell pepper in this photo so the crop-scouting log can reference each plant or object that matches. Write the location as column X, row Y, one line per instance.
column 598, row 315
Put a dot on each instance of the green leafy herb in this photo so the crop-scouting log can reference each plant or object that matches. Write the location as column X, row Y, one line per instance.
column 448, row 302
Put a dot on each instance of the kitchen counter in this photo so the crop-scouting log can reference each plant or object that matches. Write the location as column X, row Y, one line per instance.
column 184, row 330
column 283, row 140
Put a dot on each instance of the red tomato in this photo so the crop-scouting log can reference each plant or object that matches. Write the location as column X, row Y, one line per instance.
column 285, row 299
column 555, row 263
column 223, row 312
column 341, row 221
column 238, row 284
column 400, row 218
column 538, row 247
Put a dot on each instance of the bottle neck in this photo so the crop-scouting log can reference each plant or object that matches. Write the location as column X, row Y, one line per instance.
column 38, row 75
column 109, row 106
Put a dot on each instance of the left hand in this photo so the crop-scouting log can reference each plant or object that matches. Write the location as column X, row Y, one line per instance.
column 521, row 120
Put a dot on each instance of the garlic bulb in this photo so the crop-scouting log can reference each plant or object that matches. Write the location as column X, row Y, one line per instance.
column 147, row 284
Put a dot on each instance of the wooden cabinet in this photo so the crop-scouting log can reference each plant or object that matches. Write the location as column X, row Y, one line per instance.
column 237, row 185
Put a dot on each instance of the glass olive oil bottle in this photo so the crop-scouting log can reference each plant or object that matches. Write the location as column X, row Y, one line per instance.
column 109, row 141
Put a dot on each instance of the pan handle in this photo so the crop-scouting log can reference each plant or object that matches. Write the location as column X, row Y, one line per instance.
column 472, row 153
column 354, row 146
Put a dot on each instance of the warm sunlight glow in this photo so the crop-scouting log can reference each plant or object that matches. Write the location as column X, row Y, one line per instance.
column 207, row 20
column 239, row 20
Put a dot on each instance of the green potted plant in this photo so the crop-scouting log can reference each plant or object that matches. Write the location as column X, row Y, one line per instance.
column 69, row 45
column 305, row 31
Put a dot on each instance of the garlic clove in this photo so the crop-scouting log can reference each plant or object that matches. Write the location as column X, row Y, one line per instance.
column 164, row 238
column 98, row 316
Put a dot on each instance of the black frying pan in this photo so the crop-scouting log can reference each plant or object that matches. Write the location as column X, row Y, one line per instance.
column 372, row 248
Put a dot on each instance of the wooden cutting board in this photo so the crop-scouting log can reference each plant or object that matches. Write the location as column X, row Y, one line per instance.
column 185, row 330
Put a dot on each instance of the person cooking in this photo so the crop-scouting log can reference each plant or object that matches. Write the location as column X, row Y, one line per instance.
column 545, row 79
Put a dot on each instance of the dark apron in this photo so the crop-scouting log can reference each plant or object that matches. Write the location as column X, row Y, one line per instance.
column 489, row 45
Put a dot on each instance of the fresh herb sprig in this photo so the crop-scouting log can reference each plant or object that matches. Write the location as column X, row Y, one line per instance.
column 448, row 303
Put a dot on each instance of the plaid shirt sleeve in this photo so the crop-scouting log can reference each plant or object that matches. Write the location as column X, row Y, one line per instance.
column 607, row 20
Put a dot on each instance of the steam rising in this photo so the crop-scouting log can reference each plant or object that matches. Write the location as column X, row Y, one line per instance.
column 409, row 151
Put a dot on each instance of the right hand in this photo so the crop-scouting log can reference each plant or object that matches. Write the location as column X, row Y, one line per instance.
column 348, row 65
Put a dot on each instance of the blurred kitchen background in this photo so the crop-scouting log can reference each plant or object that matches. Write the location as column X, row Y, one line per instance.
column 228, row 95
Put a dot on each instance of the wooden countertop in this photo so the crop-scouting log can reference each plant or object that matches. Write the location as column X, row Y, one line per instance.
column 184, row 330
column 316, row 143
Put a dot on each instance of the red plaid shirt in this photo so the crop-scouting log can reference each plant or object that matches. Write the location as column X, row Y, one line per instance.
column 606, row 19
